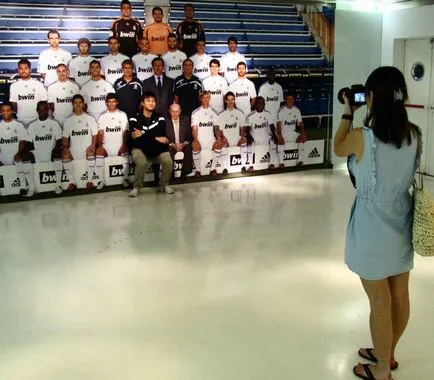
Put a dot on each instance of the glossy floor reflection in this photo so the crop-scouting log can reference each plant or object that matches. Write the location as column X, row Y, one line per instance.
column 233, row 280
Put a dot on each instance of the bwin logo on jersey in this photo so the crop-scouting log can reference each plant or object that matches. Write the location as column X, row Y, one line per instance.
column 16, row 183
column 50, row 177
column 290, row 154
column 114, row 71
column 145, row 70
column 116, row 171
column 175, row 68
column 265, row 159
column 314, row 153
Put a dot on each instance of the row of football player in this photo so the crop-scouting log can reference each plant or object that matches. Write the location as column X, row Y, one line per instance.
column 112, row 62
column 129, row 30
column 185, row 90
column 85, row 138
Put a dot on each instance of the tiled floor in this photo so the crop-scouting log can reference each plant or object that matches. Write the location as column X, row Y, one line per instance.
column 233, row 280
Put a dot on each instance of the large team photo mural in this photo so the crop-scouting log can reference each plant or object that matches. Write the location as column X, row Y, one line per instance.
column 97, row 97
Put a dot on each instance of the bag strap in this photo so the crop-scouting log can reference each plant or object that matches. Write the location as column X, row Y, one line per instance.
column 418, row 184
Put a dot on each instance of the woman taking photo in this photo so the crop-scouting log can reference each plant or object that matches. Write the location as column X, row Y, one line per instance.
column 383, row 161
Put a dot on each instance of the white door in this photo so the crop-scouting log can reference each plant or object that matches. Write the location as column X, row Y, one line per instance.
column 419, row 75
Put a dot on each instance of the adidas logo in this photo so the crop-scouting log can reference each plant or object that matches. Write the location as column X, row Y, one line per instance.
column 16, row 183
column 314, row 153
column 265, row 159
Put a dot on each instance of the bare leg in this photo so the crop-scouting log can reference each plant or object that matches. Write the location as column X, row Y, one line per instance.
column 380, row 320
column 400, row 306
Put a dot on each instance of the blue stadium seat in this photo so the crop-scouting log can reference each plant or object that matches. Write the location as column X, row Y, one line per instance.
column 35, row 49
column 250, row 26
column 234, row 15
column 223, row 6
column 311, row 122
column 41, row 35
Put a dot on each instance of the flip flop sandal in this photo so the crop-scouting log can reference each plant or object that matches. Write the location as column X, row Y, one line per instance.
column 371, row 357
column 369, row 375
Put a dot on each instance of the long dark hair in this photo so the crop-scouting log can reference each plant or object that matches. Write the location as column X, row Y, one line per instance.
column 388, row 117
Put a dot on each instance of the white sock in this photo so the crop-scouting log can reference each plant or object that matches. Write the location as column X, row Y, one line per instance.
column 20, row 174
column 250, row 155
column 29, row 174
column 224, row 158
column 126, row 165
column 216, row 159
column 178, row 163
column 58, row 168
column 243, row 148
column 273, row 154
column 99, row 168
column 196, row 160
column 281, row 153
column 90, row 168
column 69, row 170
column 301, row 152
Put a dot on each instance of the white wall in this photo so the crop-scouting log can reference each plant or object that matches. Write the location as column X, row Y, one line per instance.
column 405, row 23
column 357, row 54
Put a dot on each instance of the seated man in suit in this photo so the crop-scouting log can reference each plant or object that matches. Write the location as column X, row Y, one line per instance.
column 180, row 138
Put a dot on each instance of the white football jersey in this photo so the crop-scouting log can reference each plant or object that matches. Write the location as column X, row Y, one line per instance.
column 228, row 65
column 273, row 96
column 290, row 118
column 27, row 94
column 231, row 122
column 143, row 65
column 259, row 123
column 201, row 65
column 113, row 124
column 205, row 119
column 111, row 67
column 173, row 63
column 79, row 69
column 60, row 94
column 218, row 87
column 80, row 129
column 44, row 135
column 10, row 136
column 94, row 93
column 48, row 61
column 244, row 90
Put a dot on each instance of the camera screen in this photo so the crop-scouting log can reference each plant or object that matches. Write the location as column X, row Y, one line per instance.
column 360, row 97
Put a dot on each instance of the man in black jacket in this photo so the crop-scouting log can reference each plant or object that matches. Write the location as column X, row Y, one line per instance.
column 150, row 144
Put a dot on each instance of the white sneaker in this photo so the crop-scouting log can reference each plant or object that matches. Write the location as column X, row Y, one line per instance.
column 167, row 189
column 100, row 185
column 133, row 192
column 58, row 189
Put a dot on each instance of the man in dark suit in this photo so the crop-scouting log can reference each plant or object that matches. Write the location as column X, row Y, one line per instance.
column 178, row 131
column 160, row 85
